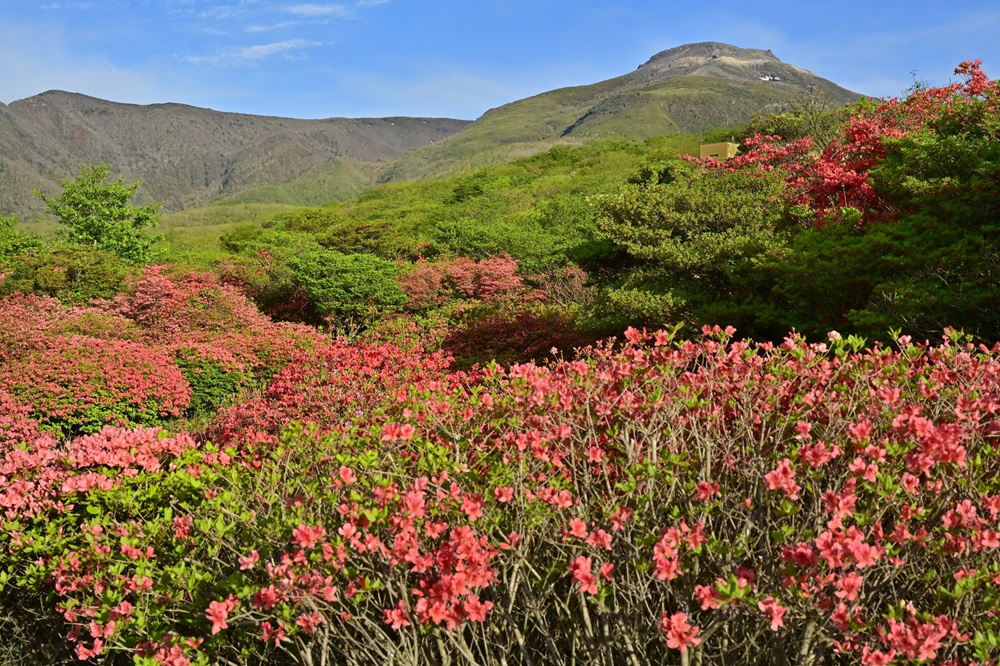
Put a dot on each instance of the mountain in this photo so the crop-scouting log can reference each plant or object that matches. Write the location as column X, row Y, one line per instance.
column 188, row 156
column 690, row 88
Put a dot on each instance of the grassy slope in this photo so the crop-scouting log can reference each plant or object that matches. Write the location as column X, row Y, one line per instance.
column 528, row 195
column 690, row 104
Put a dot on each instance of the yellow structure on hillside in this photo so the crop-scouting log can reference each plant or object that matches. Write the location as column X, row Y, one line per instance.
column 719, row 151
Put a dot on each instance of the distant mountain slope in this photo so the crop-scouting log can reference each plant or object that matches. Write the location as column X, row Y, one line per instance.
column 690, row 88
column 189, row 156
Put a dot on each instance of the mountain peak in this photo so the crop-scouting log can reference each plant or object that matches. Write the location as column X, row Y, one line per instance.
column 736, row 65
column 693, row 56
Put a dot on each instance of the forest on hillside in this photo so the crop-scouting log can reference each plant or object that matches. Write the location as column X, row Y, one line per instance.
column 608, row 404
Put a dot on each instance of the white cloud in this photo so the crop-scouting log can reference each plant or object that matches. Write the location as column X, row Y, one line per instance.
column 262, row 51
column 276, row 26
column 316, row 11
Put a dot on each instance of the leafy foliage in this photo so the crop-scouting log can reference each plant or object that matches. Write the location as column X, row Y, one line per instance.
column 100, row 214
column 694, row 235
column 13, row 242
column 348, row 289
column 71, row 273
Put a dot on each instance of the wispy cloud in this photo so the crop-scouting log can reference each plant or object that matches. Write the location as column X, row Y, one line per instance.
column 317, row 11
column 275, row 26
column 229, row 11
column 262, row 51
column 290, row 49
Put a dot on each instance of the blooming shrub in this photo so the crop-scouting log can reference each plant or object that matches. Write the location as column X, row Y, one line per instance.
column 433, row 284
column 835, row 185
column 179, row 344
column 78, row 384
column 28, row 321
column 215, row 334
column 339, row 387
column 659, row 502
column 166, row 305
column 16, row 424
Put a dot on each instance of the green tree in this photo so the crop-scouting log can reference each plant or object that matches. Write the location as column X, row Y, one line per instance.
column 12, row 241
column 99, row 213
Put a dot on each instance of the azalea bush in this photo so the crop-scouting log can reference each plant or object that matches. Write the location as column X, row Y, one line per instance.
column 433, row 284
column 890, row 224
column 176, row 345
column 658, row 502
column 342, row 385
column 216, row 336
column 78, row 384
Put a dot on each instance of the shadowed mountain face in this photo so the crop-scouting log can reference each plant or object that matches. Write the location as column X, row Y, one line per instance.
column 188, row 156
column 690, row 88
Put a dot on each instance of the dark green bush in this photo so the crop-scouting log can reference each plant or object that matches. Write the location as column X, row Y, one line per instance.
column 71, row 273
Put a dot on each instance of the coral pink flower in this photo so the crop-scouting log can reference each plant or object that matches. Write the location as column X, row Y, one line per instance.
column 269, row 633
column 772, row 609
column 705, row 490
column 679, row 633
column 783, row 478
column 247, row 562
column 577, row 528
column 871, row 657
column 396, row 617
column 218, row 612
column 849, row 586
column 707, row 596
column 600, row 539
column 472, row 507
column 582, row 574
column 476, row 610
column 309, row 623
column 306, row 537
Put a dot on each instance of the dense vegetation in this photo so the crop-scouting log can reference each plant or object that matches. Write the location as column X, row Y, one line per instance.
column 398, row 429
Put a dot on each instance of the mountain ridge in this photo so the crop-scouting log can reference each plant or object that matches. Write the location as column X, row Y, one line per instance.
column 186, row 155
column 690, row 88
column 190, row 156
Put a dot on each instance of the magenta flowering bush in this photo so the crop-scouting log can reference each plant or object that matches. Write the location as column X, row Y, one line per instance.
column 78, row 384
column 179, row 345
column 657, row 502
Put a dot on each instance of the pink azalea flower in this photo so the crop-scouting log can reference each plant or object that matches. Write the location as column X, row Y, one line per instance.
column 680, row 635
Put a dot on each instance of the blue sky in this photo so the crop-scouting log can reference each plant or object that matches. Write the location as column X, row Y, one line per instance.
column 377, row 58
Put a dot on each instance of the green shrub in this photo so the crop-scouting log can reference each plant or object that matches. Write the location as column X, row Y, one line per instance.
column 348, row 289
column 210, row 383
column 71, row 273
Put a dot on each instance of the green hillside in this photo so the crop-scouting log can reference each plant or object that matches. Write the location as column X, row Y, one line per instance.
column 688, row 89
column 513, row 208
